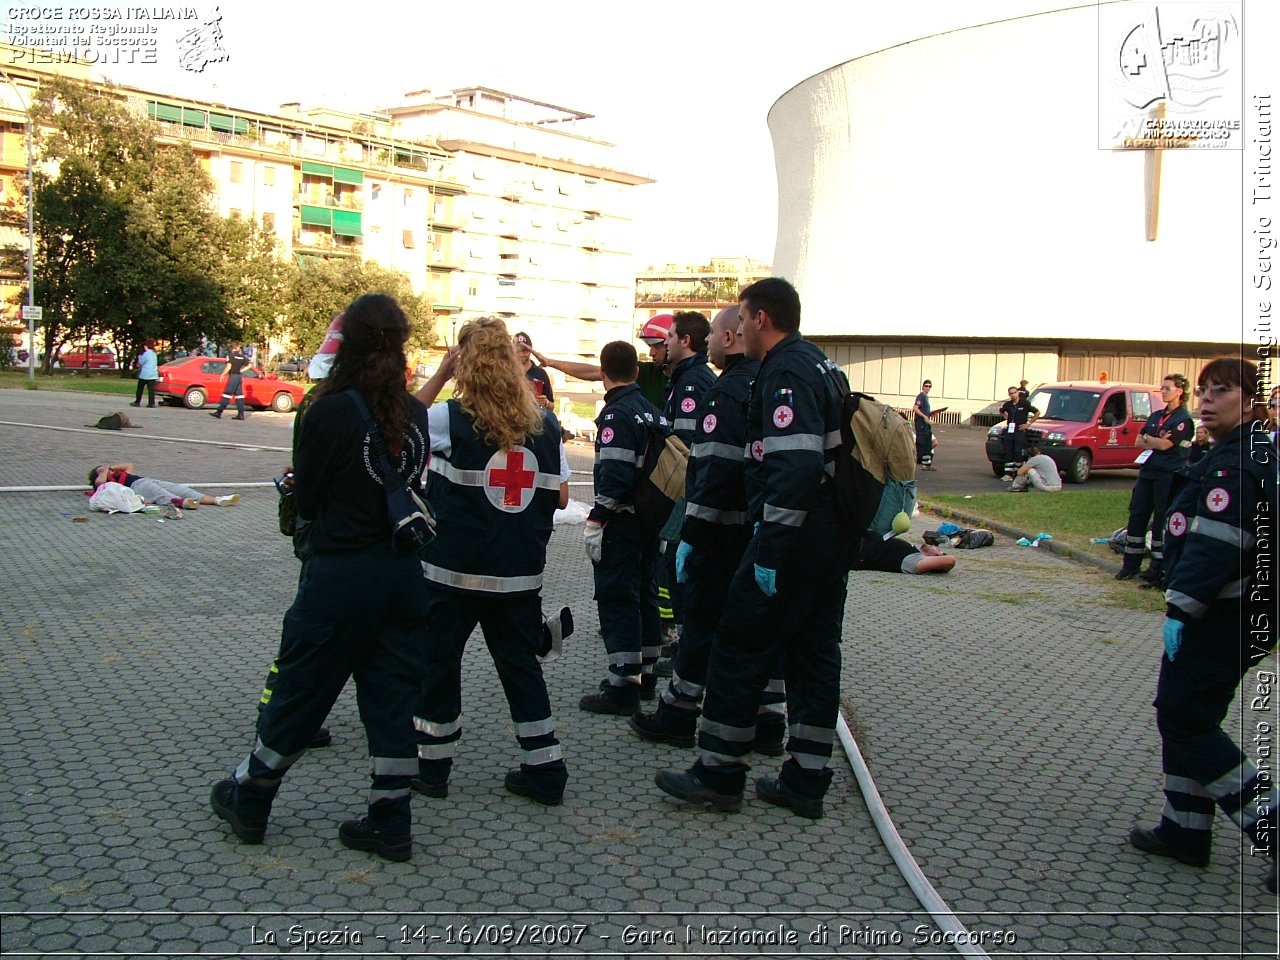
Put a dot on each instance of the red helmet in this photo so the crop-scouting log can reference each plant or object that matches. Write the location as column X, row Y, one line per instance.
column 657, row 329
column 322, row 362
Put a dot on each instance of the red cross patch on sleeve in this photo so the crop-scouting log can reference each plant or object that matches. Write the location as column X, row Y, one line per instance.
column 783, row 416
column 606, row 435
column 1217, row 499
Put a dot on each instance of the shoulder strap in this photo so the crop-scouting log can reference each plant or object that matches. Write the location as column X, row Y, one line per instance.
column 389, row 473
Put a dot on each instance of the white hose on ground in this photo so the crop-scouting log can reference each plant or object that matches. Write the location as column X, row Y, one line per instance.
column 945, row 920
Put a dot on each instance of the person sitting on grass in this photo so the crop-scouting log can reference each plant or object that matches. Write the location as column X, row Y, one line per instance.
column 1038, row 473
column 156, row 491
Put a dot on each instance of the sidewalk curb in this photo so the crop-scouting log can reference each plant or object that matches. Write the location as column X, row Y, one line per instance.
column 1061, row 549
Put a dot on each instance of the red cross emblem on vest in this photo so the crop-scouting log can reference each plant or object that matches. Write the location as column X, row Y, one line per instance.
column 1217, row 500
column 507, row 483
column 1177, row 523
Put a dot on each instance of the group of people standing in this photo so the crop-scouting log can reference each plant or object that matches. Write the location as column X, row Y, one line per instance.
column 756, row 545
column 398, row 622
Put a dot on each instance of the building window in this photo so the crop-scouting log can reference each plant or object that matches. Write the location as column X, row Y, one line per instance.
column 473, row 289
column 375, row 190
column 237, row 171
column 269, row 221
column 407, row 239
column 408, row 195
column 269, row 176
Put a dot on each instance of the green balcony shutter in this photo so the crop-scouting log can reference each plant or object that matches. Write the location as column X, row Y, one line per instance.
column 193, row 118
column 316, row 216
column 345, row 175
column 317, row 169
column 218, row 121
column 347, row 224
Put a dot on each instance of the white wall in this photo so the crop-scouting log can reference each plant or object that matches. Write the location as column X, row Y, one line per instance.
column 953, row 187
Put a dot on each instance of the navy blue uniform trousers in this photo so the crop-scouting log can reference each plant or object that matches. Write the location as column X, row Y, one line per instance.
column 360, row 614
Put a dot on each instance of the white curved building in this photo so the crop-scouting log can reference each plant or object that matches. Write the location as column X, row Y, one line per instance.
column 957, row 208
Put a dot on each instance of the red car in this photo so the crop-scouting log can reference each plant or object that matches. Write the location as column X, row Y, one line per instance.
column 196, row 381
column 98, row 358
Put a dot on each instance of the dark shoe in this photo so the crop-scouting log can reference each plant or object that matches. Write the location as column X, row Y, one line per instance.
column 651, row 727
column 323, row 738
column 150, row 404
column 773, row 790
column 684, row 785
column 136, row 403
column 238, row 416
column 216, row 415
column 1125, row 573
column 648, row 687
column 518, row 782
column 1151, row 584
column 437, row 791
column 607, row 702
column 223, row 802
column 359, row 835
column 1150, row 841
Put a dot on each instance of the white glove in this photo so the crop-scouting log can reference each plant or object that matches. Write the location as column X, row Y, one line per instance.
column 593, row 537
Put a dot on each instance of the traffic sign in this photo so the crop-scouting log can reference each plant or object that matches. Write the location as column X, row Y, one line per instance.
column 32, row 312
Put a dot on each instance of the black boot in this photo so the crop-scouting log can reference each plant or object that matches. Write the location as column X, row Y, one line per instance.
column 667, row 724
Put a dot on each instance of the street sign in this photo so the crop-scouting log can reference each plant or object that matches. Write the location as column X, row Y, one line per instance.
column 32, row 313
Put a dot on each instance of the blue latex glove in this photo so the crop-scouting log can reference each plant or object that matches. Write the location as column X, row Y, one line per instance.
column 756, row 529
column 766, row 580
column 1172, row 635
column 682, row 558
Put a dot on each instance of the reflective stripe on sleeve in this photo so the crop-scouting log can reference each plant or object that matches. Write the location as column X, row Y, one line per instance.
column 1176, row 598
column 1217, row 530
column 709, row 449
column 809, row 442
column 618, row 453
column 787, row 517
column 726, row 518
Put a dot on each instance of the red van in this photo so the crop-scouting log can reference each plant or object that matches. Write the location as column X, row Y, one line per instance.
column 1086, row 426
column 99, row 357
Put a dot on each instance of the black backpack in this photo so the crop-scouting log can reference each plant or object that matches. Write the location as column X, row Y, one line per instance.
column 413, row 526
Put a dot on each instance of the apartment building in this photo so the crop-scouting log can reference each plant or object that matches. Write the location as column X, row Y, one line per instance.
column 707, row 288
column 487, row 201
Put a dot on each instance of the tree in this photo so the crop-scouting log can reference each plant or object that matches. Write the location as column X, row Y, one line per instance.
column 324, row 287
column 128, row 242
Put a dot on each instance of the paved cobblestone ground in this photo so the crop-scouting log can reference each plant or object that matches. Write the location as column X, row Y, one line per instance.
column 1004, row 710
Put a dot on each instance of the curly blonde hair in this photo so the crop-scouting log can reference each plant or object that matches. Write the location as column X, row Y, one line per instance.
column 491, row 387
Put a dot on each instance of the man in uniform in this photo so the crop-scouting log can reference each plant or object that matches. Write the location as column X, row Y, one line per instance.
column 234, row 390
column 787, row 595
column 652, row 375
column 691, row 378
column 715, row 534
column 624, row 558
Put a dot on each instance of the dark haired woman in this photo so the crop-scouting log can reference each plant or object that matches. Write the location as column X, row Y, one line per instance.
column 148, row 373
column 1164, row 443
column 1219, row 622
column 360, row 609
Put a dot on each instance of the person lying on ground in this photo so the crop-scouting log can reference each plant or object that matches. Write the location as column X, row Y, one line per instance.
column 156, row 491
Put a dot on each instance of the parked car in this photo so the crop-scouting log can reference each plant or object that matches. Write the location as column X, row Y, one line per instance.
column 195, row 381
column 1086, row 426
column 293, row 364
column 97, row 358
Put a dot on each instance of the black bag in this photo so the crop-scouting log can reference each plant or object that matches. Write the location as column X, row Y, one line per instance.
column 413, row 526
column 287, row 513
column 661, row 483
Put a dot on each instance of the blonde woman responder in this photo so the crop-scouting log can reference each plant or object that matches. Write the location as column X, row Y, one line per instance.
column 497, row 475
